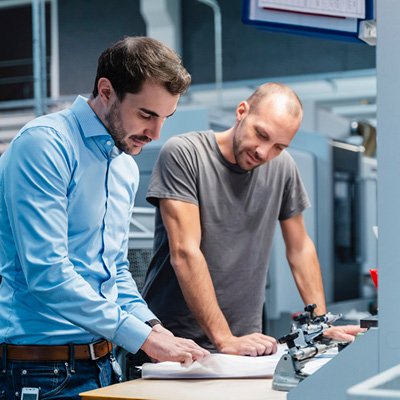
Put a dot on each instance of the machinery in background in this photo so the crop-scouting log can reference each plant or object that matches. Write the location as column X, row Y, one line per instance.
column 355, row 196
column 140, row 245
column 342, row 186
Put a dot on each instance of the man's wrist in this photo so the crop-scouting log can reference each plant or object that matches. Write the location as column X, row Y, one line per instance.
column 220, row 341
column 152, row 322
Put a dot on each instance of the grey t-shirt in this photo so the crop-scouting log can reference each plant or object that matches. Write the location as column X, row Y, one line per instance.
column 239, row 210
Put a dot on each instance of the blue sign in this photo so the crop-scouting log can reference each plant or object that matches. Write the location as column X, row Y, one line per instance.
column 329, row 19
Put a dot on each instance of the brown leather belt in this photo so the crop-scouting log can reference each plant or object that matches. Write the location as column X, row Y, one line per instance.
column 92, row 351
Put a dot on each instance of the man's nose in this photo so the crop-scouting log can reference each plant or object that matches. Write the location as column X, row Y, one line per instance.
column 153, row 132
column 264, row 152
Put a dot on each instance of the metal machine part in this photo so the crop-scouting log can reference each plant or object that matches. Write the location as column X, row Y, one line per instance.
column 304, row 343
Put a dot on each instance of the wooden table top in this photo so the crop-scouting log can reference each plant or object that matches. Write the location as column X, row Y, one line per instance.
column 188, row 389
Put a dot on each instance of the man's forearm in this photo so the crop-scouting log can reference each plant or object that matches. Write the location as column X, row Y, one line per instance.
column 307, row 274
column 198, row 290
column 182, row 222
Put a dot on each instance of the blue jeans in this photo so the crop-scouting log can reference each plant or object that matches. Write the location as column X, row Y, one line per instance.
column 57, row 379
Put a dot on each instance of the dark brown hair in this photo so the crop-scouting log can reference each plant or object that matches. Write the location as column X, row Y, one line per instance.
column 130, row 62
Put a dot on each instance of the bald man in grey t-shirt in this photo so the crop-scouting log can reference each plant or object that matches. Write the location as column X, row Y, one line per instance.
column 219, row 197
column 239, row 210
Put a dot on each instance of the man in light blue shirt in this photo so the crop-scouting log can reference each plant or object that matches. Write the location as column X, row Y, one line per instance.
column 67, row 189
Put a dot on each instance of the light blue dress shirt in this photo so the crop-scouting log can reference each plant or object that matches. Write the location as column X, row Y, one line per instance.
column 65, row 208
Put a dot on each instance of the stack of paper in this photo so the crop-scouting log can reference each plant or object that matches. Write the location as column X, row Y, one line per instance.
column 227, row 366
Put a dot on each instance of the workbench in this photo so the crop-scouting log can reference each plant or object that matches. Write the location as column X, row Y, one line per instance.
column 188, row 389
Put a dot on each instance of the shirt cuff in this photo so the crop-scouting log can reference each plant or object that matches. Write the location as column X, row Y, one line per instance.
column 132, row 334
column 142, row 313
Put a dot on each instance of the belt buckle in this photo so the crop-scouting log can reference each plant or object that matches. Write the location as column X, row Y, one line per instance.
column 92, row 351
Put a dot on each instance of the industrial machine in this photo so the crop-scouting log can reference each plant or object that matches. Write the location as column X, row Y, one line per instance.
column 304, row 343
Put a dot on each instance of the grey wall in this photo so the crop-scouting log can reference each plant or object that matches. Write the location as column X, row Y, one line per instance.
column 251, row 53
column 88, row 27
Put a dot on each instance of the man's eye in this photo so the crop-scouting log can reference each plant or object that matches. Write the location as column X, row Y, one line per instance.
column 145, row 116
column 260, row 135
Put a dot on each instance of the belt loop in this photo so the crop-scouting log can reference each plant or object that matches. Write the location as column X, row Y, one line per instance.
column 72, row 357
column 112, row 350
column 4, row 358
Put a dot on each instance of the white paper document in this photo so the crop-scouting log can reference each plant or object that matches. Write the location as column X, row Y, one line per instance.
column 227, row 366
column 333, row 8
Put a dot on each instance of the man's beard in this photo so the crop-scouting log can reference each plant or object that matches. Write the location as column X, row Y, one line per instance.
column 118, row 133
column 236, row 151
column 240, row 153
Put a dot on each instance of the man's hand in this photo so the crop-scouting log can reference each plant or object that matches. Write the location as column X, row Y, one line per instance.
column 161, row 329
column 343, row 332
column 254, row 345
column 161, row 345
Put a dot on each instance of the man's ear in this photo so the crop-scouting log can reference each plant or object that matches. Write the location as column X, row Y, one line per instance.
column 242, row 110
column 105, row 90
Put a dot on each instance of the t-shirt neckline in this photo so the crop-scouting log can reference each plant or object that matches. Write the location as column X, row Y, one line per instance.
column 228, row 164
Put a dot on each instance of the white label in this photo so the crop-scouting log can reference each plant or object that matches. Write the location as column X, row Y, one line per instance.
column 334, row 8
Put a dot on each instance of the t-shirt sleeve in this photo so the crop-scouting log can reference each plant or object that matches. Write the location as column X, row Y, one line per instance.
column 295, row 199
column 174, row 176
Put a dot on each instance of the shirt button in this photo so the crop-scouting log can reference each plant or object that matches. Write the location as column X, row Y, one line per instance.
column 109, row 142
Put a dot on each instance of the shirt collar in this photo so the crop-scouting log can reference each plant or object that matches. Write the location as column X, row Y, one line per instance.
column 88, row 120
column 92, row 127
